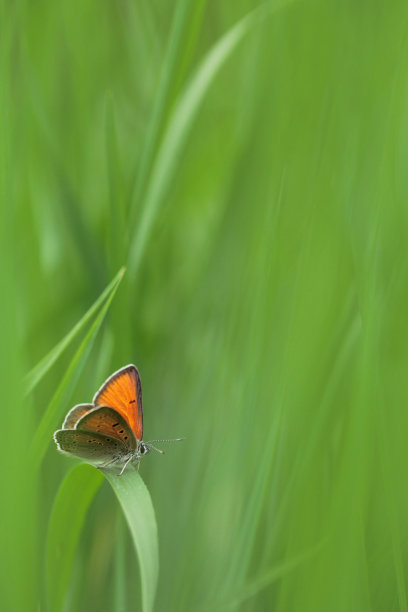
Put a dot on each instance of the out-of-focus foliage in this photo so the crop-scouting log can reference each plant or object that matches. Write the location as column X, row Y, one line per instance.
column 257, row 193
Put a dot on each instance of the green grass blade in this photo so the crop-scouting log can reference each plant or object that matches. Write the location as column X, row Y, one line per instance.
column 49, row 421
column 138, row 509
column 19, row 568
column 116, row 226
column 180, row 124
column 172, row 61
column 119, row 569
column 36, row 374
column 67, row 518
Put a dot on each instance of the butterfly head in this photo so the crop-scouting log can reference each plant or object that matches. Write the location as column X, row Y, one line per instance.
column 143, row 448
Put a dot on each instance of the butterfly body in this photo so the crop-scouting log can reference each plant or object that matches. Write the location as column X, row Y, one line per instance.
column 109, row 431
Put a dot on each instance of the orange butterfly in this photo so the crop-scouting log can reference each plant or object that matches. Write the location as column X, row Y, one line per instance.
column 110, row 430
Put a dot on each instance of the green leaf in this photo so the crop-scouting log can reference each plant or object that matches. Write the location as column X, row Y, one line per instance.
column 49, row 421
column 67, row 517
column 35, row 375
column 138, row 509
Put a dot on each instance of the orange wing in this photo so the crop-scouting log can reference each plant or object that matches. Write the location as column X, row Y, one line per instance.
column 123, row 392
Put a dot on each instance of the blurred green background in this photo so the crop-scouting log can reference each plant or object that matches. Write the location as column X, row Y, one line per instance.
column 249, row 168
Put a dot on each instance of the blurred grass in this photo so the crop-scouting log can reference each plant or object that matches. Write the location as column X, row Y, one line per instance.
column 66, row 521
column 268, row 312
column 38, row 372
column 49, row 421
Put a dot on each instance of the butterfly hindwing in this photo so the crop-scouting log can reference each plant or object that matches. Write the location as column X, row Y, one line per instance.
column 94, row 447
column 75, row 414
column 123, row 392
column 108, row 421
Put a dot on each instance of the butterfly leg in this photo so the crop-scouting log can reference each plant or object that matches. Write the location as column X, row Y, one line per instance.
column 126, row 463
column 105, row 465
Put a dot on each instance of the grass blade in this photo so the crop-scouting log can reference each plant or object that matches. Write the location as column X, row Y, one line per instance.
column 138, row 509
column 19, row 571
column 67, row 518
column 180, row 123
column 36, row 374
column 116, row 213
column 174, row 57
column 49, row 421
column 119, row 576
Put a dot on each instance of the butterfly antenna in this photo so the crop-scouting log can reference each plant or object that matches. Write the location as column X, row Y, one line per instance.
column 172, row 440
column 149, row 443
column 154, row 448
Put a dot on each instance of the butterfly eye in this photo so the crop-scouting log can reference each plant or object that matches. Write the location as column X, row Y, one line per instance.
column 142, row 450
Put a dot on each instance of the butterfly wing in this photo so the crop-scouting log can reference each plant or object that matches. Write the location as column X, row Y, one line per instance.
column 123, row 392
column 75, row 414
column 107, row 421
column 95, row 448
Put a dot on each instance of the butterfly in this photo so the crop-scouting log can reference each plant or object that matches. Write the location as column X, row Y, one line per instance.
column 109, row 431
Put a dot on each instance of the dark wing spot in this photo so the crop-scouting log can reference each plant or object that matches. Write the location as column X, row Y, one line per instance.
column 132, row 402
column 115, row 424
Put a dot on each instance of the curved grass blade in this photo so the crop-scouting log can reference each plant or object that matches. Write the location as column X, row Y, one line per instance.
column 35, row 375
column 181, row 121
column 119, row 569
column 138, row 509
column 67, row 518
column 49, row 421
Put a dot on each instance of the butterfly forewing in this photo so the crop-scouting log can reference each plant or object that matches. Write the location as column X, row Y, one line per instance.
column 123, row 392
column 94, row 447
column 109, row 422
column 75, row 414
